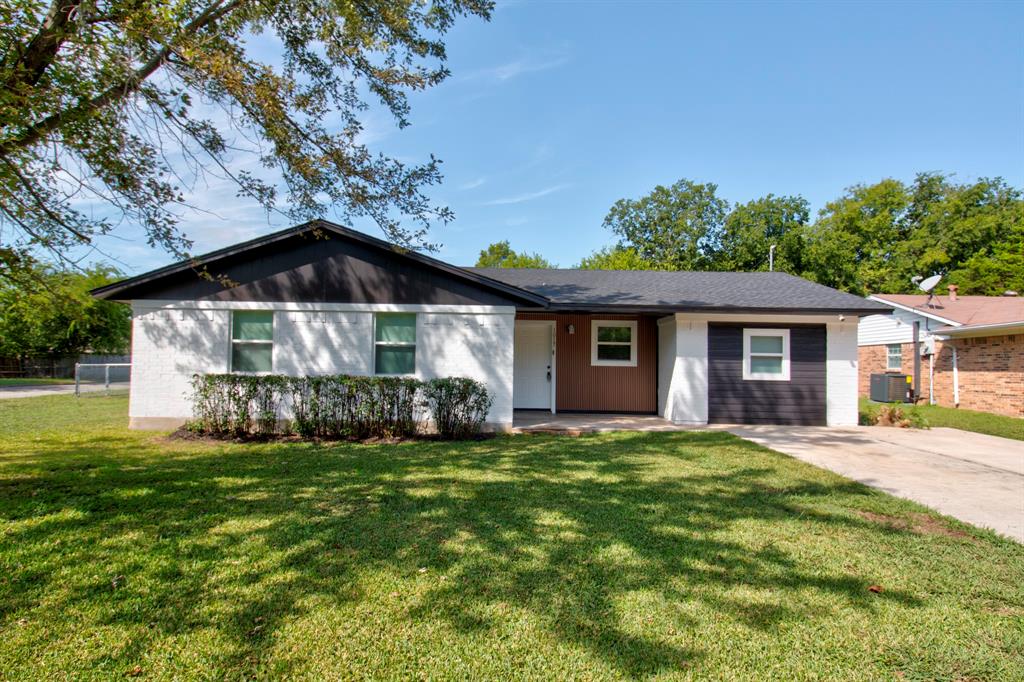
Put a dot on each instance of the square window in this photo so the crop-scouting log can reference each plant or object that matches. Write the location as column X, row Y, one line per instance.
column 766, row 354
column 613, row 343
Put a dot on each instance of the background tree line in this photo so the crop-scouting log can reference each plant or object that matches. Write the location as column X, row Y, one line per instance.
column 49, row 312
column 873, row 238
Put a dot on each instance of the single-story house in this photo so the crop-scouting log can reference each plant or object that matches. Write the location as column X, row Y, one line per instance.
column 694, row 347
column 971, row 348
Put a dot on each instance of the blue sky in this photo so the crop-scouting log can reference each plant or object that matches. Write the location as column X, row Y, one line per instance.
column 556, row 110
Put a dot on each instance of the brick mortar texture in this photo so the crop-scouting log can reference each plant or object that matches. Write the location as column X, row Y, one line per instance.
column 990, row 369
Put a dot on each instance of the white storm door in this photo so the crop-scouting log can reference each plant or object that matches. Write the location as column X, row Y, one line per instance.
column 531, row 369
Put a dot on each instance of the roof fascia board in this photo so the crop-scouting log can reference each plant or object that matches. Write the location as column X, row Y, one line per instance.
column 708, row 310
column 981, row 329
column 918, row 311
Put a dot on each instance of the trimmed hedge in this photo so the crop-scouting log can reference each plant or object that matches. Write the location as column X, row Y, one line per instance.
column 458, row 406
column 336, row 406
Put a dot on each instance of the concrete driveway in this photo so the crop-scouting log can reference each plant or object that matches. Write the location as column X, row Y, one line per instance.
column 975, row 478
column 56, row 389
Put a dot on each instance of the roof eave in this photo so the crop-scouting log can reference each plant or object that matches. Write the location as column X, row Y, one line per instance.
column 981, row 329
column 743, row 310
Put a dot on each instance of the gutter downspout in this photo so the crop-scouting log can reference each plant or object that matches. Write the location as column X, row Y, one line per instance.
column 917, row 361
column 956, row 381
column 931, row 379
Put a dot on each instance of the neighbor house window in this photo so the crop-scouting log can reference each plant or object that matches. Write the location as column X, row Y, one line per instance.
column 766, row 354
column 613, row 343
column 252, row 341
column 394, row 349
column 893, row 357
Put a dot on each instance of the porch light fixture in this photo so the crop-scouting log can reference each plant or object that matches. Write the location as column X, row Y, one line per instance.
column 571, row 328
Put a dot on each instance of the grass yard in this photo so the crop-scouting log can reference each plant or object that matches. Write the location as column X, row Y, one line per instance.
column 967, row 420
column 33, row 381
column 669, row 556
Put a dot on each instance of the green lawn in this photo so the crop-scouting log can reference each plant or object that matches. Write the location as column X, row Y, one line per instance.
column 968, row 420
column 34, row 381
column 670, row 556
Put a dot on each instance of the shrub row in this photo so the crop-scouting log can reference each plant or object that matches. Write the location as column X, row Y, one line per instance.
column 336, row 406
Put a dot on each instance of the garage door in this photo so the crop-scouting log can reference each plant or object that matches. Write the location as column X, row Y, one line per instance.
column 800, row 399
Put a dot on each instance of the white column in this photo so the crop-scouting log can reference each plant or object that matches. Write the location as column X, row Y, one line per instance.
column 841, row 373
column 686, row 401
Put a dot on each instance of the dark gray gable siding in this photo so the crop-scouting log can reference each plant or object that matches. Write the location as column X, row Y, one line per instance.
column 801, row 400
column 305, row 268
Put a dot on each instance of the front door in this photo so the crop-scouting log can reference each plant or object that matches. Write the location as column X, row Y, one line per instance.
column 532, row 372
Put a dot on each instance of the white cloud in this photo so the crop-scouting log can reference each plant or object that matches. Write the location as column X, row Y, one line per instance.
column 529, row 196
column 536, row 61
column 473, row 184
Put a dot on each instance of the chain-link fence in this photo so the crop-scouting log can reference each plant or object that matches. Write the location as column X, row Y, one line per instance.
column 105, row 377
column 58, row 366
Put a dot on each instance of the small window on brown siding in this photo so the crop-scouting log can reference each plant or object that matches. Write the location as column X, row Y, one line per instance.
column 613, row 343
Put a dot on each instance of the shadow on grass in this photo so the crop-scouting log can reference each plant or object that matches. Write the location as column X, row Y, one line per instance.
column 561, row 528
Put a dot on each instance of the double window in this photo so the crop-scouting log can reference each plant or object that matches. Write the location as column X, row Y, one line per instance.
column 252, row 341
column 394, row 349
column 766, row 354
column 613, row 343
column 893, row 357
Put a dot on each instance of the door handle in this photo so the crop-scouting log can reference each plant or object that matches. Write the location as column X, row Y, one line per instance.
column 549, row 372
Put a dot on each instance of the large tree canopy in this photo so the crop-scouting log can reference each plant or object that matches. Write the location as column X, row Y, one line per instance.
column 49, row 312
column 876, row 238
column 502, row 255
column 127, row 104
column 617, row 258
column 872, row 239
column 751, row 229
column 677, row 227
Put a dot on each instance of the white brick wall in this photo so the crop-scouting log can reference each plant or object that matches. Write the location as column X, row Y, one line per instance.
column 308, row 343
column 475, row 346
column 168, row 347
column 173, row 341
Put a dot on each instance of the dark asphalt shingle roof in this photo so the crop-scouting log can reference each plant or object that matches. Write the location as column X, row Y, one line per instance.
column 719, row 291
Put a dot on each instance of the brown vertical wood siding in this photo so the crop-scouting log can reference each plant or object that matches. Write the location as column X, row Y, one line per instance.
column 582, row 387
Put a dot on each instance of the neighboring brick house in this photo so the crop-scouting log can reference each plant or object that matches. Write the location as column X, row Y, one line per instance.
column 972, row 348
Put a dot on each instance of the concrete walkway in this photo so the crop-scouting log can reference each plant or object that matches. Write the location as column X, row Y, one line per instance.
column 975, row 478
column 56, row 389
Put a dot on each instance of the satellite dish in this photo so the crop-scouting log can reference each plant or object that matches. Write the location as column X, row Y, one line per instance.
column 928, row 284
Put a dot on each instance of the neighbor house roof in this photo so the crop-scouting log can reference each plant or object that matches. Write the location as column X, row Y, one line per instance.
column 704, row 291
column 965, row 311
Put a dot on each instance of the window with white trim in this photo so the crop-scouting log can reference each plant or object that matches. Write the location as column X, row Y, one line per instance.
column 394, row 348
column 893, row 357
column 766, row 354
column 252, row 341
column 613, row 343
